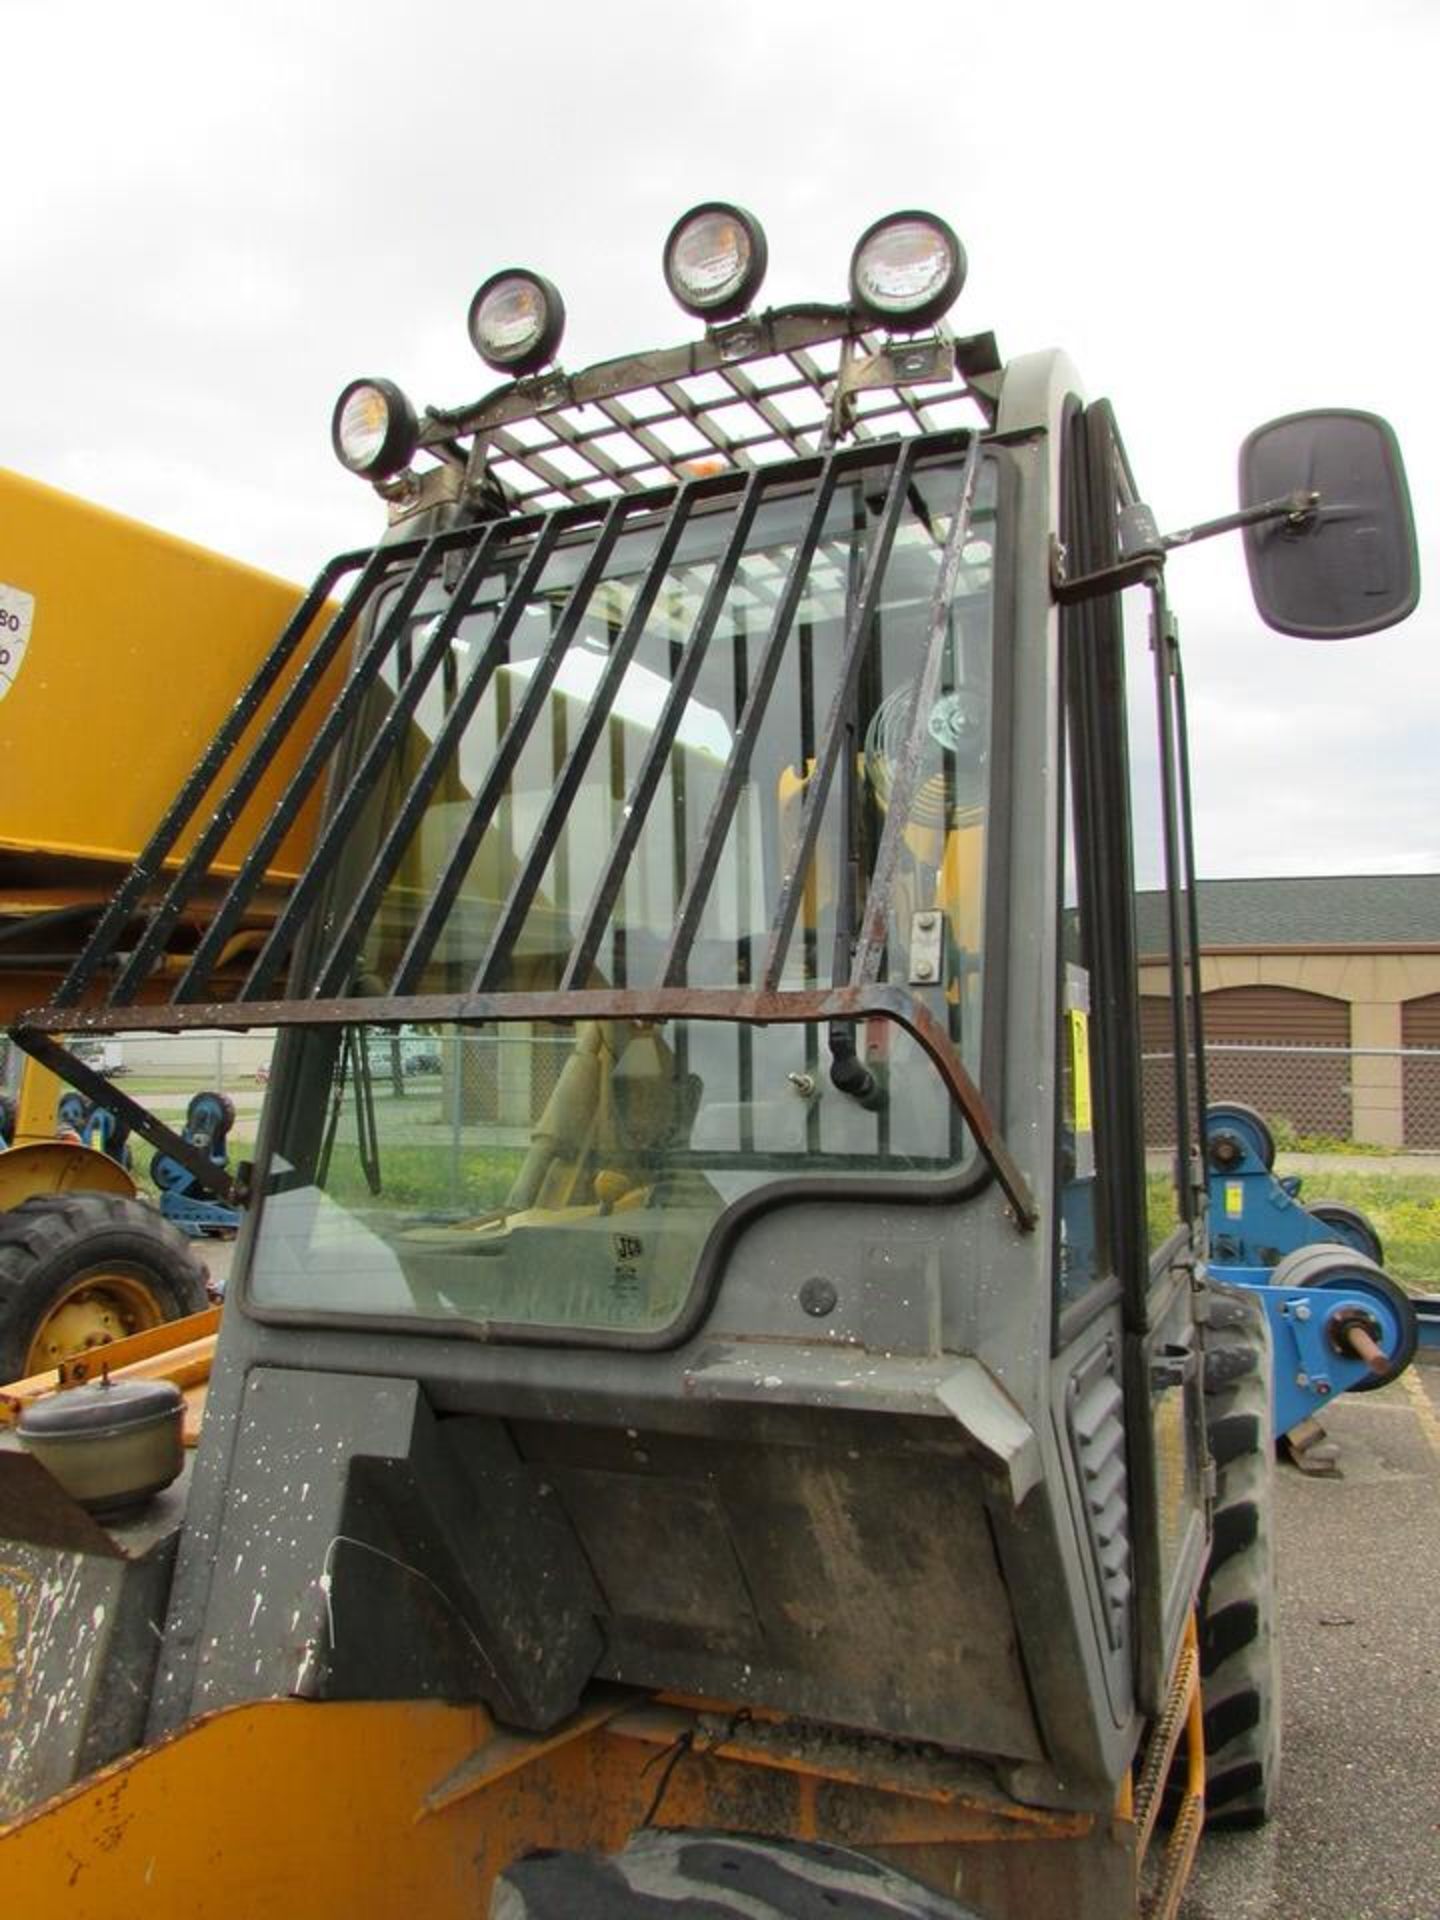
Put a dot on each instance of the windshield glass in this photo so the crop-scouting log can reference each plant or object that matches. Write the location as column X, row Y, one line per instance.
column 567, row 1173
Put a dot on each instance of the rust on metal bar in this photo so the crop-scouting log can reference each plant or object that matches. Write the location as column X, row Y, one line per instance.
column 522, row 400
column 622, row 423
column 749, row 1008
column 795, row 1747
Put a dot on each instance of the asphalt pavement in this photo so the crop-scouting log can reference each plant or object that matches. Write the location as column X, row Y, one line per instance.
column 1357, row 1835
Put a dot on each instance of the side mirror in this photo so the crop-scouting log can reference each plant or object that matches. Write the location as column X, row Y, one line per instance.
column 1348, row 565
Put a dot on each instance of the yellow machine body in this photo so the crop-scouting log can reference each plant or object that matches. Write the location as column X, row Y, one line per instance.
column 136, row 647
column 36, row 1162
column 350, row 1808
column 60, row 1166
column 36, row 1099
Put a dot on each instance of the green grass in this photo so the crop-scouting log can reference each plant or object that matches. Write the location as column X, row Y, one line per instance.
column 179, row 1086
column 1161, row 1212
column 1287, row 1140
column 413, row 1176
column 418, row 1173
column 425, row 1177
column 1404, row 1209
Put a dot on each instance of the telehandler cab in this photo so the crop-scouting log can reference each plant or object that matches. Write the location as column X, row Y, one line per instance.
column 750, row 1438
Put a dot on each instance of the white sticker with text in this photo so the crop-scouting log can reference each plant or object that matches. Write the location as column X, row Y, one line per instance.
column 17, row 615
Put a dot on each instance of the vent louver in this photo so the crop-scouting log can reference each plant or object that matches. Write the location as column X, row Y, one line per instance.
column 1097, row 1432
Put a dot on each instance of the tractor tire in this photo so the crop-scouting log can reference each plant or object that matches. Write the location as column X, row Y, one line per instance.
column 78, row 1270
column 708, row 1875
column 1239, row 1647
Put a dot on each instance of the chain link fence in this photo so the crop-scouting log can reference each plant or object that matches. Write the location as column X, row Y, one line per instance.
column 1420, row 1084
column 500, row 1074
column 505, row 1075
column 1319, row 1092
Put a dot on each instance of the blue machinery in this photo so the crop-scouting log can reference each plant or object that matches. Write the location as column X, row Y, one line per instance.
column 208, row 1120
column 76, row 1119
column 183, row 1201
column 1340, row 1323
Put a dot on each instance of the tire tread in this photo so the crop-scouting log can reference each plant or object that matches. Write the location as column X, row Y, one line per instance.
column 43, row 1248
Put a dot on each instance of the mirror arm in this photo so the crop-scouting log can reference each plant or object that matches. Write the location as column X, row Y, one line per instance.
column 1148, row 548
column 1299, row 508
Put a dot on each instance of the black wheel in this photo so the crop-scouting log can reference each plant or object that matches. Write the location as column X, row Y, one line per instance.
column 1349, row 1226
column 1239, row 1649
column 208, row 1120
column 707, row 1875
column 78, row 1270
column 1248, row 1126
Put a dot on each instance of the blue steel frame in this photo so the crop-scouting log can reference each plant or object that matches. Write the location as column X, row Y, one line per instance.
column 1309, row 1369
column 1256, row 1219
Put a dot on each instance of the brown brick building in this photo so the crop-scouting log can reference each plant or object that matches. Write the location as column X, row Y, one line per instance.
column 1348, row 964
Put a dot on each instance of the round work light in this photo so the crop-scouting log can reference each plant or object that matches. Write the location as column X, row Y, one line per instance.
column 373, row 429
column 906, row 270
column 516, row 322
column 715, row 260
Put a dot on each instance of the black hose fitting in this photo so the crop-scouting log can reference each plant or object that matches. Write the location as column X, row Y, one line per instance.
column 848, row 1071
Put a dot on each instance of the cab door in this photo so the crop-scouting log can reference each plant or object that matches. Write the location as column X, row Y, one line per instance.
column 1131, row 1206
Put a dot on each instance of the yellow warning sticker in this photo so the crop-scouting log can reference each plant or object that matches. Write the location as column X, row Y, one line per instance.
column 1234, row 1199
column 17, row 616
column 1081, row 1117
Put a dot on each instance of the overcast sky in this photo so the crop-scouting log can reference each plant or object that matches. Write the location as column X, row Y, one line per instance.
column 214, row 216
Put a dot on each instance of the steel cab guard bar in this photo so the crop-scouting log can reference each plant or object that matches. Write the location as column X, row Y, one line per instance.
column 317, row 939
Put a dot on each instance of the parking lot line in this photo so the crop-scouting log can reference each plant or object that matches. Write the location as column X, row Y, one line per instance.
column 1424, row 1411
